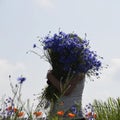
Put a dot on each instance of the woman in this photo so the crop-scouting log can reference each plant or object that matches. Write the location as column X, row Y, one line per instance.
column 72, row 96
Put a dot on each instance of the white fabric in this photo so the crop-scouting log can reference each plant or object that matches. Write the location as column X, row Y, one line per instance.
column 74, row 98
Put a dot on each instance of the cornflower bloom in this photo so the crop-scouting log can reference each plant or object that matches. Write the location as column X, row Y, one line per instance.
column 21, row 79
column 34, row 46
column 89, row 112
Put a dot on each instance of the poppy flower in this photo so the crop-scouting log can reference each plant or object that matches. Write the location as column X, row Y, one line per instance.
column 71, row 115
column 15, row 109
column 60, row 113
column 89, row 114
column 38, row 114
column 94, row 115
column 9, row 108
column 20, row 114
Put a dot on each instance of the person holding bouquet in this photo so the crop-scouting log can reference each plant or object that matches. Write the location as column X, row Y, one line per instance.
column 71, row 98
column 71, row 60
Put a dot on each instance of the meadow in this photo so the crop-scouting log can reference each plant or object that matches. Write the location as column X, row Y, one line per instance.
column 14, row 108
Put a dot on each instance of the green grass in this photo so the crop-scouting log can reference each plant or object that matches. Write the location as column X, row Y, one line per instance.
column 107, row 110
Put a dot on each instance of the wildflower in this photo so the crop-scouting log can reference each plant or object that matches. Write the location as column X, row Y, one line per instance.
column 71, row 115
column 15, row 110
column 34, row 46
column 9, row 108
column 21, row 79
column 20, row 114
column 94, row 115
column 74, row 109
column 89, row 114
column 60, row 113
column 38, row 114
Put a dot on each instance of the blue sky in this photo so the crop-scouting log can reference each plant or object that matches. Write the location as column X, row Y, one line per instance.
column 21, row 21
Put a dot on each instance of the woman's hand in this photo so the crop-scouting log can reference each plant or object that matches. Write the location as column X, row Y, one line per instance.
column 72, row 83
column 69, row 87
column 53, row 80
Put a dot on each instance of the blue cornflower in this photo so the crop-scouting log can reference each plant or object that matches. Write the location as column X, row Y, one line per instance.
column 34, row 46
column 72, row 52
column 21, row 79
column 74, row 109
column 62, row 34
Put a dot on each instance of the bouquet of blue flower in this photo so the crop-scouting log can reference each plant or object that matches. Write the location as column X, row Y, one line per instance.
column 69, row 54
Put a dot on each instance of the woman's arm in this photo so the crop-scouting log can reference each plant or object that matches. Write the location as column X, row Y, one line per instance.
column 53, row 80
column 70, row 86
column 73, row 82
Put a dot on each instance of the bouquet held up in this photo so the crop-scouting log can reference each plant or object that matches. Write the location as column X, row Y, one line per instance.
column 69, row 55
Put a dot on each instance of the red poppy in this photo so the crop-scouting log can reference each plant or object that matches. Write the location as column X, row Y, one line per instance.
column 37, row 114
column 9, row 108
column 60, row 113
column 15, row 109
column 71, row 115
column 94, row 115
column 89, row 114
column 20, row 114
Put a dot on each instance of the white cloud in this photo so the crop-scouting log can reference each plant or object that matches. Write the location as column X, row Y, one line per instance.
column 112, row 72
column 45, row 3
